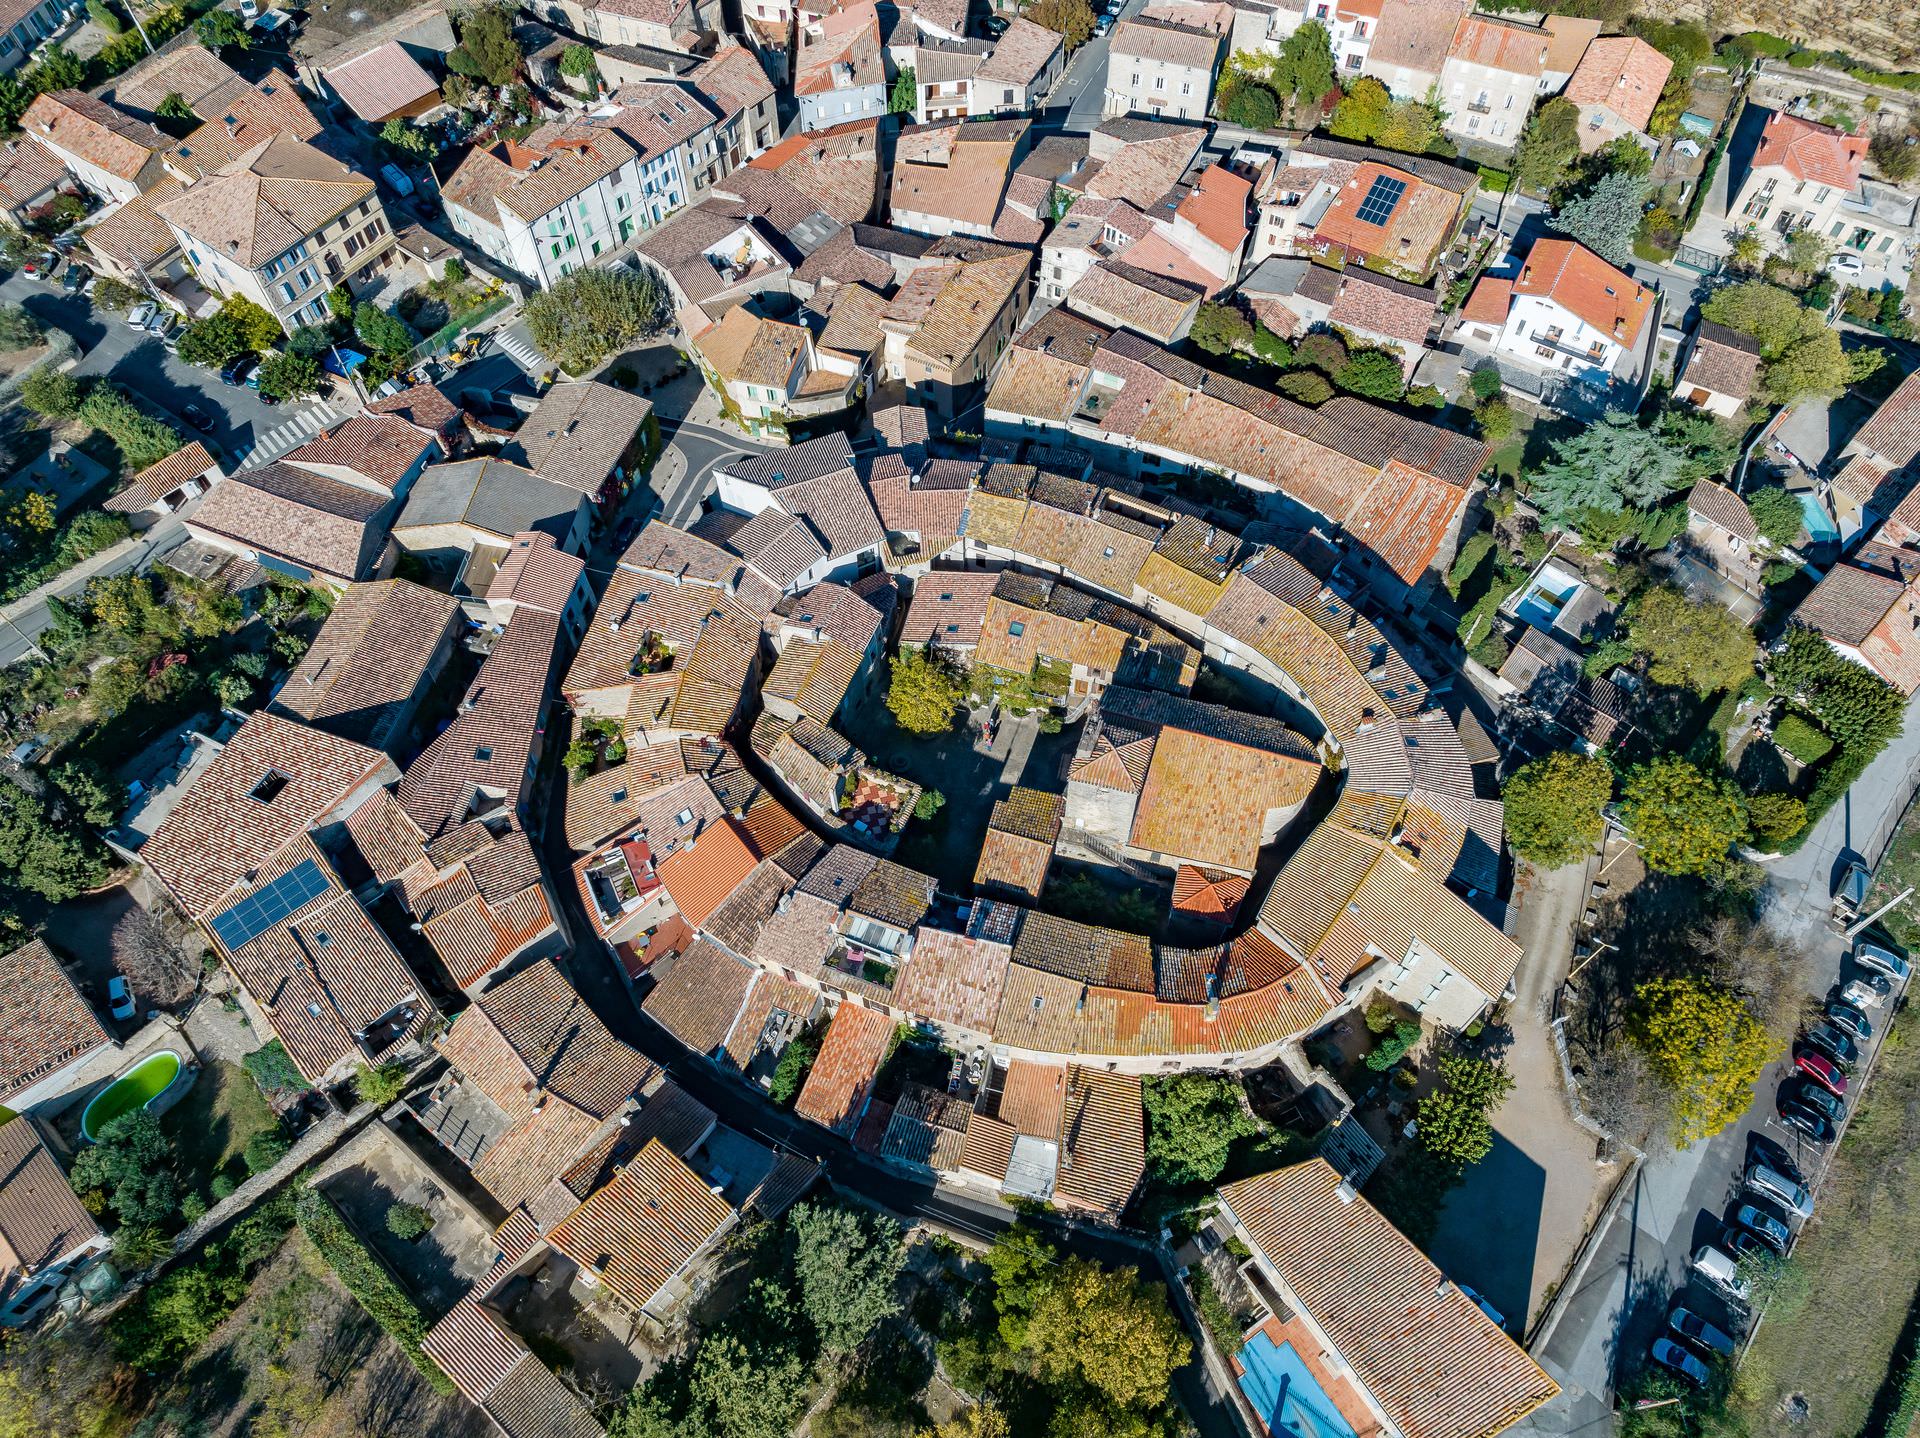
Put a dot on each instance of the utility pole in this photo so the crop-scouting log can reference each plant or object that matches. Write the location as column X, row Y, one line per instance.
column 1870, row 918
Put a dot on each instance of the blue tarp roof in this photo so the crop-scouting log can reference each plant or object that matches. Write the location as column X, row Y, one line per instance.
column 342, row 362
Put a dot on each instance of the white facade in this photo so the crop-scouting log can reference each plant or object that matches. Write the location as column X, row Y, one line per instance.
column 1484, row 102
column 842, row 105
column 1542, row 334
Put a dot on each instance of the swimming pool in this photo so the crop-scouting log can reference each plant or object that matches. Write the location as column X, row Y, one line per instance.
column 1820, row 529
column 1286, row 1394
column 141, row 1086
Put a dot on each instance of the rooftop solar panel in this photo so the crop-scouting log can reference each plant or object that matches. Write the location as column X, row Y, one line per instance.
column 1384, row 194
column 271, row 904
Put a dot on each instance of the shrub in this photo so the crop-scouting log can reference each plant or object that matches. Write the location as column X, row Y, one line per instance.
column 115, row 295
column 265, row 1149
column 407, row 1221
column 1774, row 819
column 18, row 329
column 1802, row 740
column 1393, row 1047
column 222, row 1186
column 1305, row 386
column 363, row 1275
column 193, row 1208
column 51, row 392
column 272, row 1070
column 930, row 802
column 1485, row 382
column 379, row 1085
column 1323, row 352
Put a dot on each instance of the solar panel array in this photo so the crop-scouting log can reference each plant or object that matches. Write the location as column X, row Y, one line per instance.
column 1381, row 198
column 272, row 904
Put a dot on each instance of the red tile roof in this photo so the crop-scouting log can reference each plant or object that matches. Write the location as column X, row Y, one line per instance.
column 700, row 874
column 1217, row 206
column 836, row 1089
column 1808, row 151
column 1585, row 285
column 1624, row 73
column 1489, row 301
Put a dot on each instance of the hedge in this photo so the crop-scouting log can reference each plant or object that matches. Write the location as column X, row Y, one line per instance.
column 367, row 1279
column 1802, row 740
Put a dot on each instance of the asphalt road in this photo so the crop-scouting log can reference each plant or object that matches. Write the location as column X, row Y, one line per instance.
column 1680, row 1195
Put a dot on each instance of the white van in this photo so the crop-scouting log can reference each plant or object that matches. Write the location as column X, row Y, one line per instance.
column 1718, row 1268
column 1770, row 1183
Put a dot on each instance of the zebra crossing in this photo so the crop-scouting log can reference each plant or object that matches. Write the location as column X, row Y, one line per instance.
column 521, row 351
column 294, row 433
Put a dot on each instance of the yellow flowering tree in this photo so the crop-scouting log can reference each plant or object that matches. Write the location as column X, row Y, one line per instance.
column 1704, row 1044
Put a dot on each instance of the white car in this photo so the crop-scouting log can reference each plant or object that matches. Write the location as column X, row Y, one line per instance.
column 1669, row 1354
column 1717, row 1267
column 1846, row 266
column 1865, row 994
column 119, row 997
column 140, row 314
column 1883, row 961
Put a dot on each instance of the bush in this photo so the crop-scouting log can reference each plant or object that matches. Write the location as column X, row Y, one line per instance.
column 142, row 439
column 167, row 1321
column 265, row 1149
column 222, row 1186
column 1305, row 386
column 51, row 392
column 407, row 1221
column 1774, row 819
column 363, row 1275
column 272, row 1070
column 1324, row 352
column 18, row 329
column 379, row 1085
column 1802, row 740
column 193, row 1208
column 1393, row 1047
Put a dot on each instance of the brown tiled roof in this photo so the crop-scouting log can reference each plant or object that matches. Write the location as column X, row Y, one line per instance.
column 701, row 996
column 953, row 979
column 1103, row 1141
column 928, row 1128
column 1384, row 306
column 645, row 1226
column 41, row 1220
column 1084, row 953
column 369, row 660
column 1156, row 305
column 134, row 234
column 1188, row 46
column 220, row 832
column 836, row 1089
column 492, row 1366
column 383, row 448
column 536, row 572
column 571, row 159
column 1498, row 45
column 266, row 200
column 1723, row 360
column 893, row 894
column 558, row 1044
column 1847, row 604
column 94, row 131
column 485, row 751
column 426, row 406
column 849, row 36
column 157, row 481
column 48, row 1022
column 1437, row 1365
column 578, row 433
column 1022, row 52
column 954, row 170
column 1892, row 432
column 1720, row 505
column 240, row 117
column 312, row 520
column 27, row 173
column 839, row 167
column 384, row 81
column 1624, row 73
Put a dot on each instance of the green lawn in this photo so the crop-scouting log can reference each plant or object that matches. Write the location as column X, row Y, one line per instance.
column 212, row 1124
column 1861, row 1255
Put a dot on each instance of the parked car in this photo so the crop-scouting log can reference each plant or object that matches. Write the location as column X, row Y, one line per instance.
column 75, row 277
column 1808, row 1123
column 1825, row 1038
column 1103, row 24
column 1846, row 266
column 1716, row 1266
column 1499, row 1319
column 119, row 997
column 239, row 367
column 1877, row 960
column 1866, row 991
column 1771, row 1231
column 1742, row 1244
column 161, row 320
column 1849, row 1020
column 1822, row 1071
column 198, row 418
column 1695, row 1329
column 1810, row 1095
column 1772, row 1184
column 138, row 316
column 1669, row 1354
column 42, row 266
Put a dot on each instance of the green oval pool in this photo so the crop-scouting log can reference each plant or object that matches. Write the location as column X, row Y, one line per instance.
column 136, row 1088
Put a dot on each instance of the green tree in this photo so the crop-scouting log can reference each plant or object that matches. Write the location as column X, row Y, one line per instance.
column 1411, row 126
column 379, row 1084
column 1219, row 328
column 1771, row 315
column 1304, row 67
column 142, row 439
column 738, row 1391
column 218, row 29
column 1250, row 105
column 592, row 313
column 211, row 341
column 58, row 68
column 18, row 329
column 1553, row 807
column 1697, row 645
column 51, row 392
column 114, row 295
column 1683, row 819
column 408, row 138
column 1363, row 111
column 1606, row 217
column 487, row 41
column 1373, row 373
column 1108, row 1329
column 130, row 1164
column 289, row 376
column 1453, row 1121
column 1705, row 1046
column 846, row 1260
column 1775, row 818
column 577, row 63
column 384, row 333
column 1193, row 1122
column 930, row 802
column 905, row 97
column 1394, row 1045
column 14, row 99
column 1776, row 513
column 1071, row 20
column 1548, row 146
column 95, row 795
column 39, row 856
column 1607, row 466
column 1495, row 419
column 408, row 1221
column 174, row 106
column 923, row 693
column 1852, row 703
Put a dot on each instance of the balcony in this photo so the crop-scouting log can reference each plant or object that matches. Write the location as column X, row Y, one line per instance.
column 1480, row 107
column 1549, row 339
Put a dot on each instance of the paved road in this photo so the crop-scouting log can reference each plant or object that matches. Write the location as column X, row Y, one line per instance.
column 1678, row 1195
column 1076, row 101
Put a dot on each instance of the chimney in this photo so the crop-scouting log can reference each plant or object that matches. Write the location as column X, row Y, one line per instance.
column 1346, row 1192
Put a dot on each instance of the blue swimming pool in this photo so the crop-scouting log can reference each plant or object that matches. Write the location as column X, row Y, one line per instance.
column 1820, row 528
column 1286, row 1394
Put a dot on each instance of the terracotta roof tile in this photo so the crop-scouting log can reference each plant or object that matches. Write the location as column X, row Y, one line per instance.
column 850, row 1055
column 48, row 1021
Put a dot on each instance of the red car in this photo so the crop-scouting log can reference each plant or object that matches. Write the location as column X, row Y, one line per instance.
column 1823, row 1072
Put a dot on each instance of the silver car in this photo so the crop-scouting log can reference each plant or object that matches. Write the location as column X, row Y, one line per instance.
column 1771, row 1183
column 1883, row 961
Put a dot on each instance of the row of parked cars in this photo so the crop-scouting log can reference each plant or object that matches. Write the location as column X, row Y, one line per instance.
column 1775, row 1198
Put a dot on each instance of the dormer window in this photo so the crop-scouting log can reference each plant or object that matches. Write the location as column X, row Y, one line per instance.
column 270, row 785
